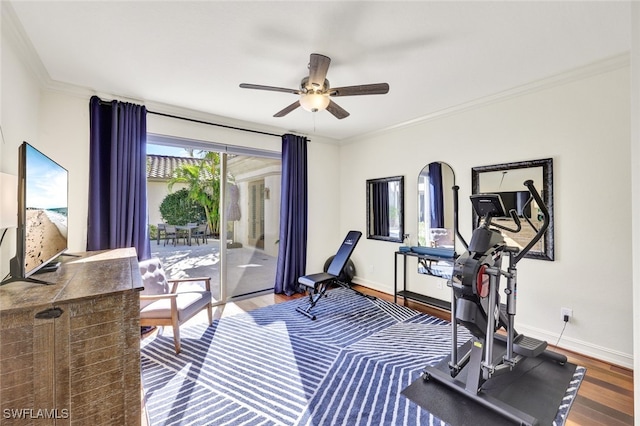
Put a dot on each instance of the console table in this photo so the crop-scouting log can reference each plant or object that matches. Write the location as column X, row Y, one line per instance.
column 70, row 351
column 406, row 294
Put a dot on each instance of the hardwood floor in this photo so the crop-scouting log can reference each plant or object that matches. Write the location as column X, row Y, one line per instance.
column 605, row 396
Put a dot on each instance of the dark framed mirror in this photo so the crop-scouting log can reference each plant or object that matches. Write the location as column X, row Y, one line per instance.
column 385, row 209
column 508, row 180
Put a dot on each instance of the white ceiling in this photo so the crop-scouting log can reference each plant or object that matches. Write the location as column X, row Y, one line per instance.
column 434, row 55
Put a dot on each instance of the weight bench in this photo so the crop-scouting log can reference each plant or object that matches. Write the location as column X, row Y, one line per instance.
column 316, row 285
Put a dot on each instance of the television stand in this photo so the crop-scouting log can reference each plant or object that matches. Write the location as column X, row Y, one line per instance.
column 69, row 254
column 25, row 280
column 49, row 267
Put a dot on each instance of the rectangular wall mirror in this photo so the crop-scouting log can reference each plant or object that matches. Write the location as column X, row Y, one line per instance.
column 385, row 209
column 508, row 181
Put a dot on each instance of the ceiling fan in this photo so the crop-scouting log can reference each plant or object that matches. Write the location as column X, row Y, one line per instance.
column 315, row 92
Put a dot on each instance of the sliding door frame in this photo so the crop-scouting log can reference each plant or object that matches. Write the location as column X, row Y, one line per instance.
column 223, row 150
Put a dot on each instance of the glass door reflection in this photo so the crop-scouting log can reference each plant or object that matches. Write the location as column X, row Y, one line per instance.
column 252, row 210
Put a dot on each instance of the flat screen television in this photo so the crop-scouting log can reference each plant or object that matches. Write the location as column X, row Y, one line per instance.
column 42, row 215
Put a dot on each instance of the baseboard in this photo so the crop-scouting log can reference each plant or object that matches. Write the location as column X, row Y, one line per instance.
column 575, row 345
column 372, row 285
column 584, row 348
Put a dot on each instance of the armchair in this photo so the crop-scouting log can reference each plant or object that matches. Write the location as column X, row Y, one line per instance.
column 162, row 303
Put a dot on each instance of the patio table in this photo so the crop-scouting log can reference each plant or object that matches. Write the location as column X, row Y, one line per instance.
column 188, row 228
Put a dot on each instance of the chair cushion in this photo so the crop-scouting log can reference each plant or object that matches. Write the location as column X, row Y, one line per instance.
column 154, row 279
column 188, row 304
column 315, row 279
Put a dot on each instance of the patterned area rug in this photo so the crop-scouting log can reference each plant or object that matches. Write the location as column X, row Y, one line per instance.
column 273, row 366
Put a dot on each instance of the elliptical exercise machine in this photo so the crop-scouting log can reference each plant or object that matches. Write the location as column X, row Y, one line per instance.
column 475, row 285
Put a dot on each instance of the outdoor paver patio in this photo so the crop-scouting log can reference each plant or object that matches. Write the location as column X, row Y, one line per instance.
column 249, row 270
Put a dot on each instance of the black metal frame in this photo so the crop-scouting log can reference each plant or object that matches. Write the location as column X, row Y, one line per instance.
column 372, row 236
column 546, row 194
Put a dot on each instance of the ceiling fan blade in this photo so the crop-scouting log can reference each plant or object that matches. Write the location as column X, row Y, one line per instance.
column 269, row 88
column 337, row 111
column 287, row 110
column 363, row 89
column 318, row 67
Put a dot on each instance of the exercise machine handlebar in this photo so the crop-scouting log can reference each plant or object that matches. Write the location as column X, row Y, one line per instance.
column 545, row 212
column 516, row 220
column 456, row 228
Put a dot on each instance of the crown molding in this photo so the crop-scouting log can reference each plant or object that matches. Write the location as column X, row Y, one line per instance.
column 598, row 67
column 13, row 32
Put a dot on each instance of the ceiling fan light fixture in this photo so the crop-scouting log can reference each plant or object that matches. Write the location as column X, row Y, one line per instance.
column 314, row 102
column 315, row 90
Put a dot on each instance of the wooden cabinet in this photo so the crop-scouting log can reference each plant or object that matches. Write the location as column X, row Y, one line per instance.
column 70, row 351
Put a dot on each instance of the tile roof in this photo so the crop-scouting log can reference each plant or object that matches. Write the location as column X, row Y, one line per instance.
column 162, row 166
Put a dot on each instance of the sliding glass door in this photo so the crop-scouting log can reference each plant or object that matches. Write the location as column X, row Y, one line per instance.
column 253, row 223
column 233, row 197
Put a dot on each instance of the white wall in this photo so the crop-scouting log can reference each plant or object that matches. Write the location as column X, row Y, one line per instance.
column 584, row 126
column 64, row 136
column 19, row 119
column 157, row 191
column 635, row 186
column 326, row 232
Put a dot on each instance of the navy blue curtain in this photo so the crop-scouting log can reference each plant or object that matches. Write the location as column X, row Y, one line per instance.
column 381, row 208
column 117, row 177
column 436, row 195
column 292, row 251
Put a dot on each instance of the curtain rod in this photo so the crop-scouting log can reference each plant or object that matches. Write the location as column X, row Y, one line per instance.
column 214, row 124
column 202, row 122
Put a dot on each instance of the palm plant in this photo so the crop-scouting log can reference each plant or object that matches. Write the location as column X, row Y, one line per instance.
column 203, row 185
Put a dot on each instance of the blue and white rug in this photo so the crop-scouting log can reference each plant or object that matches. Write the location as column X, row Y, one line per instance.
column 274, row 366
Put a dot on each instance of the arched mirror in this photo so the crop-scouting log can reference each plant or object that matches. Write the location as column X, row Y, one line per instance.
column 508, row 181
column 435, row 208
column 385, row 209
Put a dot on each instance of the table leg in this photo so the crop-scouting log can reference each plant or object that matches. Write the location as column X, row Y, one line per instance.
column 404, row 279
column 395, row 278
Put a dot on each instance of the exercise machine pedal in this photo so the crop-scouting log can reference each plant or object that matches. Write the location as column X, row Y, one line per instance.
column 528, row 346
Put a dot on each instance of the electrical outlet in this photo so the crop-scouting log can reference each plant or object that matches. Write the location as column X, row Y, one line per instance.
column 566, row 312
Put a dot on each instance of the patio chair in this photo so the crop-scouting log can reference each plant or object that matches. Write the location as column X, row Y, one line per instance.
column 163, row 303
column 160, row 232
column 317, row 284
column 200, row 232
column 170, row 234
